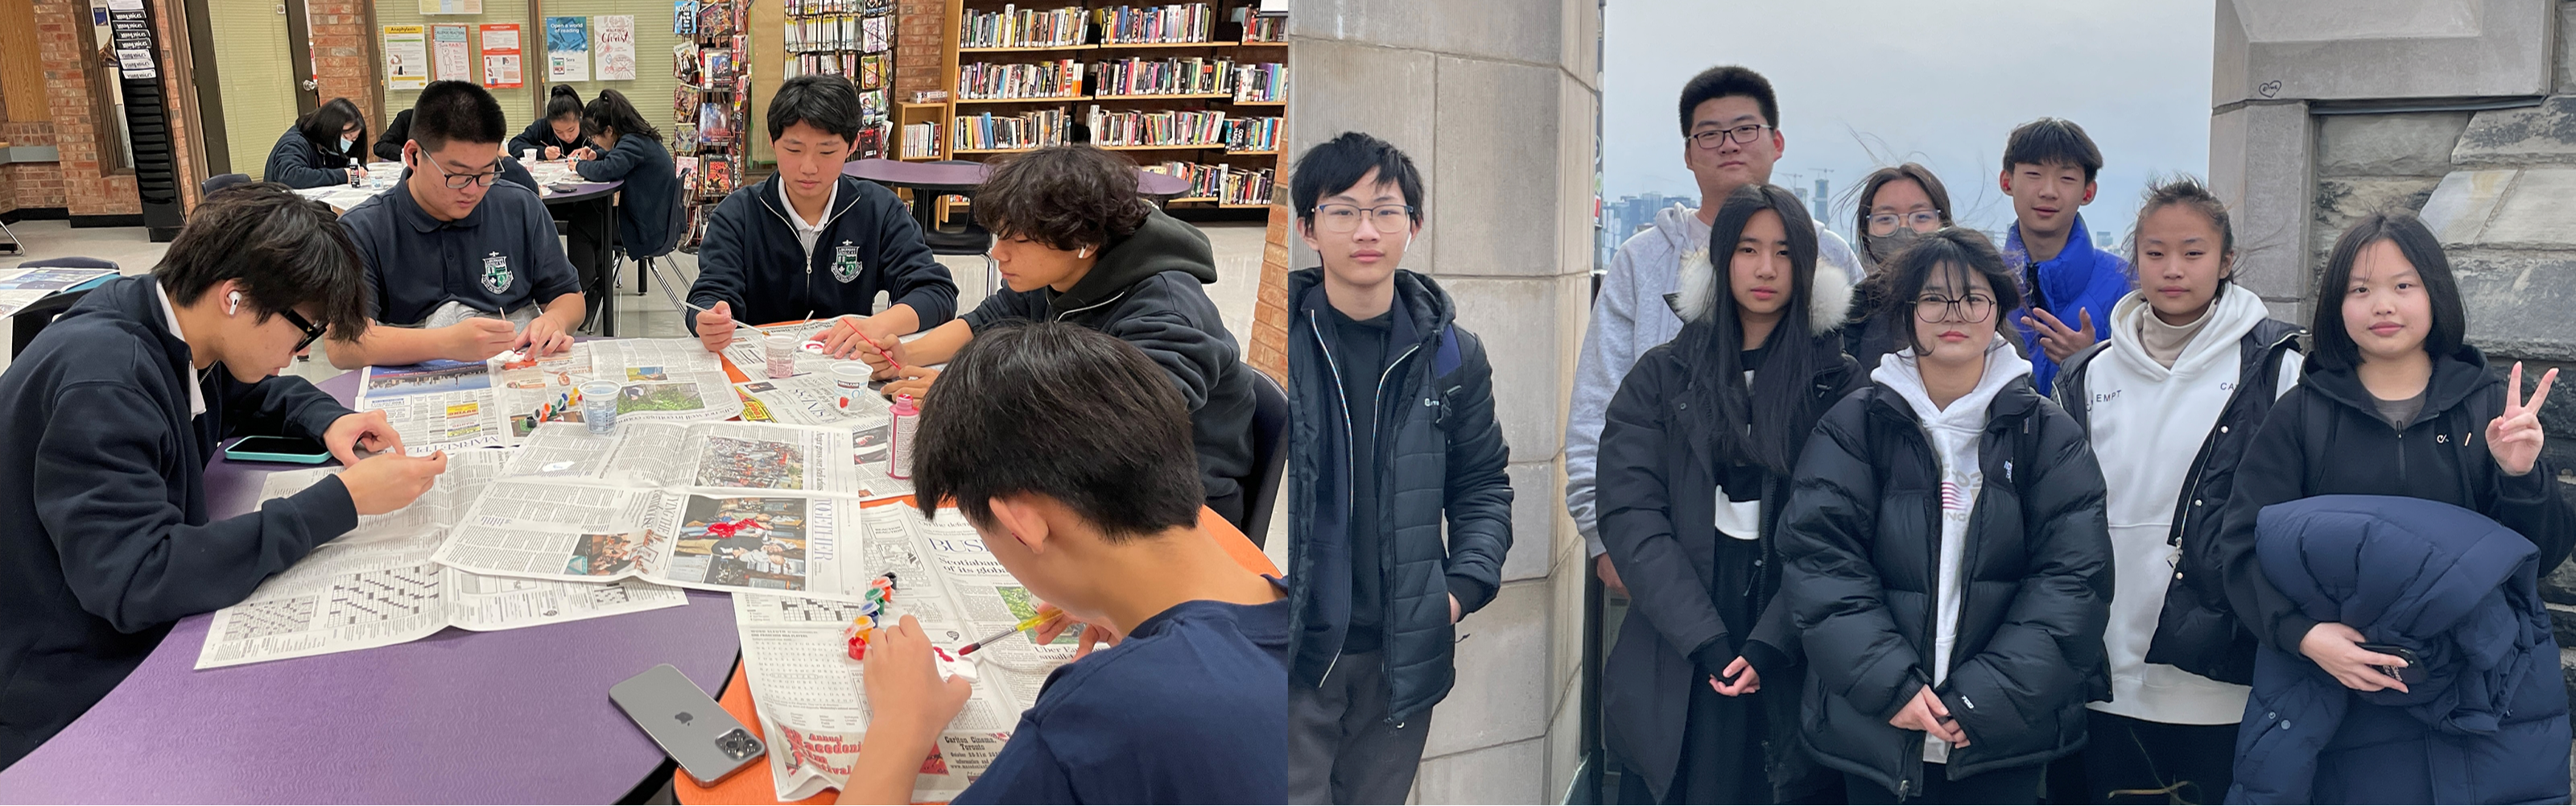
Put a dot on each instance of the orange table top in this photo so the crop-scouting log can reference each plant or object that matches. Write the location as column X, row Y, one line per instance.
column 753, row 784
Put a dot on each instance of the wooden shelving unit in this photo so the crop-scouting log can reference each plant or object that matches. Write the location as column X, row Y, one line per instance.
column 1226, row 38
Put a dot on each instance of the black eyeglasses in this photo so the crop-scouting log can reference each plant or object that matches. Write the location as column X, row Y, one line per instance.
column 312, row 331
column 459, row 181
column 1712, row 139
column 1936, row 308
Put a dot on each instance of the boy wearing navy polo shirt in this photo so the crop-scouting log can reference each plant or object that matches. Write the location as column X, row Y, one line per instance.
column 813, row 243
column 458, row 260
column 1096, row 511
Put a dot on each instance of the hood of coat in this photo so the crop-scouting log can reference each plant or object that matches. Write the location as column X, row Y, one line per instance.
column 1899, row 373
column 1162, row 244
column 2232, row 314
column 1828, row 299
column 2455, row 378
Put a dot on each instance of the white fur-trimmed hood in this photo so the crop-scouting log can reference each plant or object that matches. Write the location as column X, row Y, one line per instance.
column 1828, row 300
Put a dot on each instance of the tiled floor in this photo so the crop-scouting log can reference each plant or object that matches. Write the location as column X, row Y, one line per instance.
column 1238, row 256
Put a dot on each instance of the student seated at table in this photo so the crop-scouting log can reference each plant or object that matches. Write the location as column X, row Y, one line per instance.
column 458, row 260
column 1096, row 511
column 629, row 150
column 107, row 422
column 1077, row 244
column 559, row 135
column 811, row 242
column 323, row 148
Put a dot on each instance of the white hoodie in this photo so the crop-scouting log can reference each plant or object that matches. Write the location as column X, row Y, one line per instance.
column 2148, row 424
column 1955, row 432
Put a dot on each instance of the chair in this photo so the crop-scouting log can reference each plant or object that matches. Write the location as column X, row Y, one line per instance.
column 1269, row 455
column 972, row 239
column 30, row 320
column 644, row 266
column 219, row 182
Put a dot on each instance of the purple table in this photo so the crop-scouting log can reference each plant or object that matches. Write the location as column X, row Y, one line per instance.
column 517, row 716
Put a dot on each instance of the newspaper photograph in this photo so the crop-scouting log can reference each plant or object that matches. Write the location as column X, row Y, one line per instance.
column 542, row 529
column 664, row 379
column 20, row 288
column 749, row 354
column 436, row 405
column 721, row 456
column 811, row 710
column 815, row 400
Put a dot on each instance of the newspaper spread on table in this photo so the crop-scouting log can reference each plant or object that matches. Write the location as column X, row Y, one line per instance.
column 750, row 355
column 715, row 456
column 377, row 585
column 20, row 288
column 664, row 379
column 449, row 405
column 808, row 689
column 817, row 400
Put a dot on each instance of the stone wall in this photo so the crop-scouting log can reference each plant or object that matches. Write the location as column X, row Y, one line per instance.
column 1496, row 101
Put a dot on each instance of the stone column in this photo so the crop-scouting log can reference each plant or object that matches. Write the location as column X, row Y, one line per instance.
column 1496, row 102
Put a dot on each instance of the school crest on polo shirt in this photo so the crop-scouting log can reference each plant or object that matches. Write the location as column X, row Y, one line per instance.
column 845, row 262
column 496, row 272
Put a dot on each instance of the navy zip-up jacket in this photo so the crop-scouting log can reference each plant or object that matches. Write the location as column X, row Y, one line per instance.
column 104, row 534
column 297, row 162
column 652, row 189
column 751, row 259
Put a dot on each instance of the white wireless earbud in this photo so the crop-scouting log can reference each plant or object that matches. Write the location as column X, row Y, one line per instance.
column 232, row 305
column 1082, row 252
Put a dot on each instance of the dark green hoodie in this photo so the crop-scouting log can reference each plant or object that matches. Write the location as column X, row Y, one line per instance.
column 1146, row 291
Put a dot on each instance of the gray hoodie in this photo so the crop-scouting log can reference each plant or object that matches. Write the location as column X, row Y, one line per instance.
column 1630, row 316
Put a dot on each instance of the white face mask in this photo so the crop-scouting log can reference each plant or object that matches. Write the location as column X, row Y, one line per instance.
column 347, row 143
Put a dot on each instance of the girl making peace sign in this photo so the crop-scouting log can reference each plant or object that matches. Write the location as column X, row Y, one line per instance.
column 2393, row 402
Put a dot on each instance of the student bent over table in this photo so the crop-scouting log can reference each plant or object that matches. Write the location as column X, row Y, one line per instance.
column 1096, row 510
column 111, row 416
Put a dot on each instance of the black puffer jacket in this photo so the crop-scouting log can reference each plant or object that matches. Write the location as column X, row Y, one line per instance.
column 1442, row 457
column 1862, row 546
column 1692, row 591
column 2326, row 438
column 2197, row 632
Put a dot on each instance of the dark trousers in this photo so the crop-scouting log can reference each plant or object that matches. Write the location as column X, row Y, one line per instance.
column 2016, row 785
column 1341, row 748
column 587, row 233
column 2137, row 761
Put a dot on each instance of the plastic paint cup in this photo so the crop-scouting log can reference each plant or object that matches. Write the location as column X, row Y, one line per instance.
column 599, row 405
column 852, row 379
column 781, row 351
column 528, row 155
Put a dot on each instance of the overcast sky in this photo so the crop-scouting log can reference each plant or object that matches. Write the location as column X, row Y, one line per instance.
column 1865, row 83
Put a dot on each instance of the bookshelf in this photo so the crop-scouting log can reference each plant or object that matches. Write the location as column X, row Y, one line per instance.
column 853, row 39
column 1189, row 89
column 710, row 103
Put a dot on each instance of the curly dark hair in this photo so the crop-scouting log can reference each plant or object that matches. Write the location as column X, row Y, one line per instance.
column 1067, row 197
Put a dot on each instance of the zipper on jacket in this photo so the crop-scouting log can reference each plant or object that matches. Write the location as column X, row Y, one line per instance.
column 829, row 216
column 1315, row 328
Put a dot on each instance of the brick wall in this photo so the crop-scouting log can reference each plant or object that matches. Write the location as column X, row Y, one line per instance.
column 340, row 57
column 87, row 189
column 32, row 184
column 917, row 49
column 1269, row 351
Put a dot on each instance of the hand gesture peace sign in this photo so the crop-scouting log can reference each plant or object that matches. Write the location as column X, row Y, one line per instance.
column 2514, row 437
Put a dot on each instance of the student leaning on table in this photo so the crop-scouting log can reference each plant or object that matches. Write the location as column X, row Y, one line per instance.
column 1096, row 511
column 110, row 417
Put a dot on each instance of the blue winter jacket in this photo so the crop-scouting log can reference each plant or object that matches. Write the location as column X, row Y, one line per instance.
column 2079, row 278
column 2488, row 721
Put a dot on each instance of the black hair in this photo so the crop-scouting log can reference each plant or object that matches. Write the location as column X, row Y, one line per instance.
column 2052, row 141
column 1725, row 80
column 285, row 250
column 2185, row 191
column 1338, row 164
column 1778, row 406
column 1874, row 288
column 2332, row 344
column 1955, row 253
column 456, row 111
column 609, row 111
column 321, row 127
column 1066, row 197
column 563, row 102
column 824, row 102
column 1066, row 412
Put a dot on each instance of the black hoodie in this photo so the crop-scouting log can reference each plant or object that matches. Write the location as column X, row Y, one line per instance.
column 2325, row 437
column 1146, row 291
column 104, row 533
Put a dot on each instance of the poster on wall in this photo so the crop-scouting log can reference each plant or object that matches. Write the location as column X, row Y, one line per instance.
column 616, row 46
column 501, row 57
column 451, row 7
column 406, row 57
column 448, row 51
column 567, row 49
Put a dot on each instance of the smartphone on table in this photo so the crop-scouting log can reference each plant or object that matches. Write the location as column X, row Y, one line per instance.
column 299, row 450
column 709, row 743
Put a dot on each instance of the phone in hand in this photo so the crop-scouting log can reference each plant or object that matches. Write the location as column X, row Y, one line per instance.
column 709, row 743
column 2409, row 674
column 298, row 450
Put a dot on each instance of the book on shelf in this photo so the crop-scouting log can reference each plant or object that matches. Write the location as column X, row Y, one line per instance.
column 991, row 132
column 1014, row 27
column 1226, row 183
column 715, row 176
column 715, row 122
column 715, row 66
column 1258, row 28
column 1132, row 128
column 876, row 34
column 1196, row 75
column 1263, row 81
column 1252, row 134
column 929, row 96
column 985, row 80
column 684, row 62
column 872, row 72
column 1128, row 25
column 684, row 17
column 921, row 140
